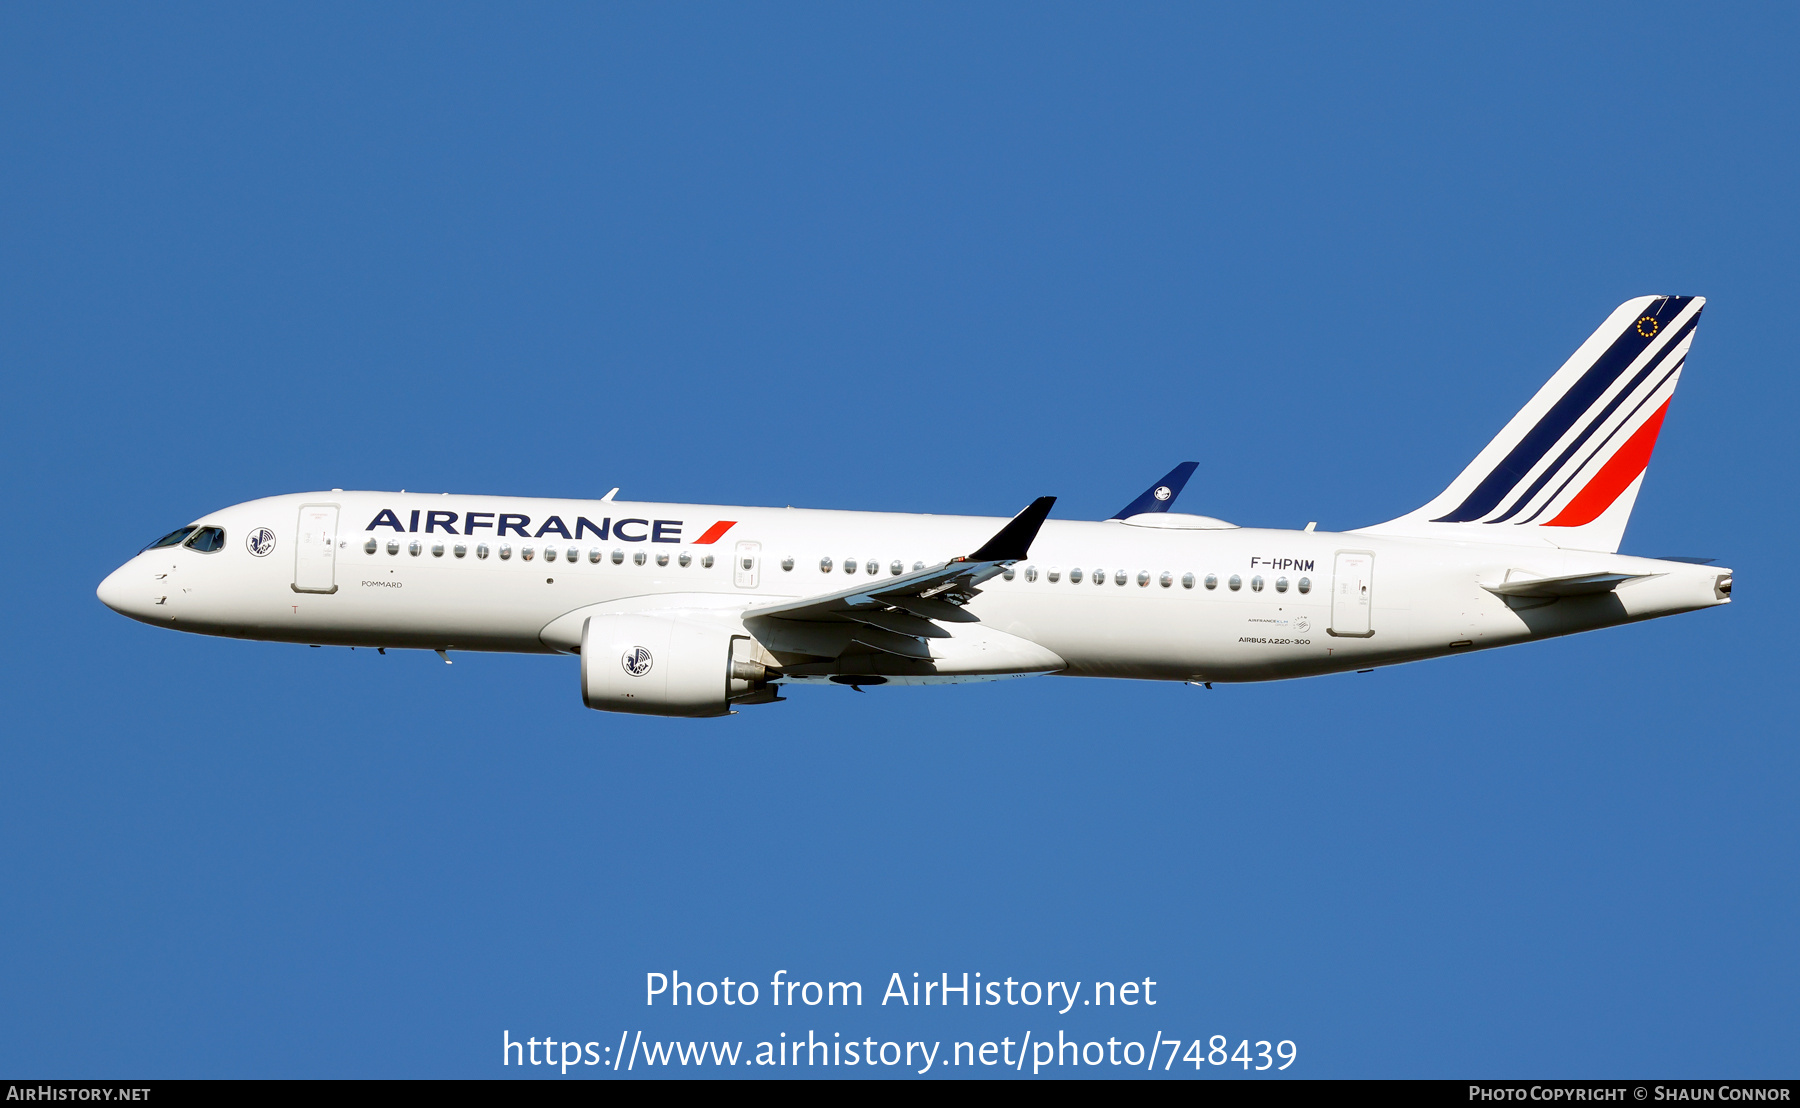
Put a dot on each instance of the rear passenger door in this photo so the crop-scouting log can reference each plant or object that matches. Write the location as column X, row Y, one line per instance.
column 1352, row 579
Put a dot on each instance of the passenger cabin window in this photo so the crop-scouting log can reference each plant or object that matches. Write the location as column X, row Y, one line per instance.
column 1305, row 584
column 594, row 555
column 1007, row 573
column 917, row 566
column 1212, row 580
column 897, row 568
column 505, row 551
column 527, row 552
column 825, row 565
column 572, row 554
column 1166, row 579
column 1144, row 578
column 415, row 549
column 787, row 563
column 618, row 557
column 1099, row 577
column 549, row 554
column 1075, row 576
column 1280, row 584
column 1053, row 574
column 1256, row 583
column 460, row 550
column 706, row 562
column 1119, row 577
column 1235, row 583
column 687, row 560
column 662, row 558
column 173, row 538
column 437, row 550
column 1030, row 573
column 1187, row 581
column 393, row 546
column 637, row 558
column 481, row 550
column 371, row 546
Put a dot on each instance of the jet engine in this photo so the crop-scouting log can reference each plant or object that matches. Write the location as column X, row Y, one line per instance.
column 663, row 665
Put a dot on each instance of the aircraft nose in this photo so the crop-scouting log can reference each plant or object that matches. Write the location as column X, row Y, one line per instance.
column 112, row 591
column 117, row 592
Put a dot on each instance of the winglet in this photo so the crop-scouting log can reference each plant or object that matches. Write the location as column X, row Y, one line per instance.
column 1013, row 542
column 1160, row 497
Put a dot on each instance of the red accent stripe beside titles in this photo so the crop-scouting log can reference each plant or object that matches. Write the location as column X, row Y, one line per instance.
column 715, row 531
column 1614, row 477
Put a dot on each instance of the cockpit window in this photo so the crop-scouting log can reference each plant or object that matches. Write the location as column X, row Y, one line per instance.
column 207, row 539
column 171, row 538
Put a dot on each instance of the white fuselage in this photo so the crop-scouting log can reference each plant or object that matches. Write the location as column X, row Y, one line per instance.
column 1326, row 602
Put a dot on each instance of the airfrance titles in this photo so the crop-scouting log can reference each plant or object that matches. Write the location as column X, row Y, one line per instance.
column 517, row 523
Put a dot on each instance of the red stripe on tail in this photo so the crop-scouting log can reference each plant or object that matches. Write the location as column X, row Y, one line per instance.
column 1614, row 477
column 716, row 530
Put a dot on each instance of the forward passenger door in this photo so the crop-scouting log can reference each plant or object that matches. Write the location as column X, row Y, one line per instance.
column 315, row 549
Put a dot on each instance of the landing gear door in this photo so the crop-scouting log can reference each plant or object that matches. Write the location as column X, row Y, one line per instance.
column 746, row 566
column 315, row 549
column 1352, row 597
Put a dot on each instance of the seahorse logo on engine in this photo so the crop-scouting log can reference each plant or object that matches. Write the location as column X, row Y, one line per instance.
column 637, row 661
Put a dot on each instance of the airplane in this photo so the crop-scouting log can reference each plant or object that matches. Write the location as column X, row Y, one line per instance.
column 695, row 610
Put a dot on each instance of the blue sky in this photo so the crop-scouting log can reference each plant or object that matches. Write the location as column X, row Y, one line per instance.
column 916, row 259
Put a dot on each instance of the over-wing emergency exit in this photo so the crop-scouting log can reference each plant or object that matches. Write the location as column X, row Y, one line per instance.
column 694, row 610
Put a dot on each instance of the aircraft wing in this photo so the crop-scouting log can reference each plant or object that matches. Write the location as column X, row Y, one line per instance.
column 910, row 605
column 1160, row 497
column 1578, row 584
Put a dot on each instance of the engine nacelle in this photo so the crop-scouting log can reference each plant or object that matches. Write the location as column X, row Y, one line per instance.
column 660, row 665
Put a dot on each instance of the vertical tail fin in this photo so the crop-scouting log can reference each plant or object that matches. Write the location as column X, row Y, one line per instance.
column 1566, row 470
column 1160, row 497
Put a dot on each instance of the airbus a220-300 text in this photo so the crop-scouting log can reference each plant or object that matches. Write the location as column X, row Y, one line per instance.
column 693, row 610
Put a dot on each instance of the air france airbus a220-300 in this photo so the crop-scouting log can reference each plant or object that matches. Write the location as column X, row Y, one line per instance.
column 692, row 610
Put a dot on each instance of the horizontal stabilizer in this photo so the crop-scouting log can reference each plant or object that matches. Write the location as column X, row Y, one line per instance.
column 1579, row 584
